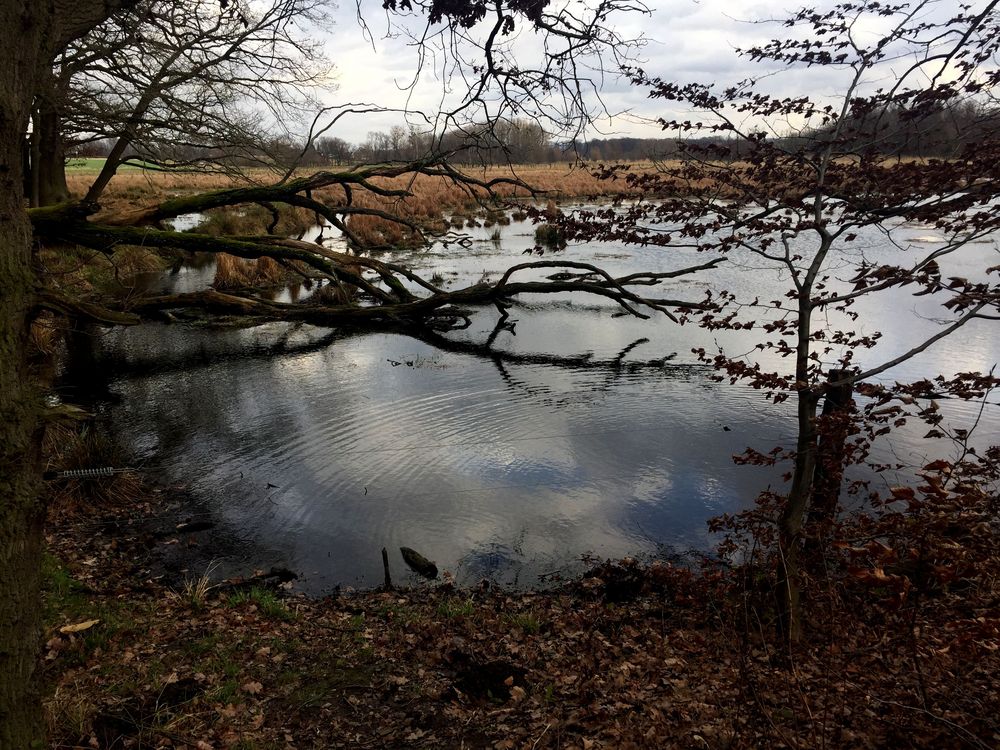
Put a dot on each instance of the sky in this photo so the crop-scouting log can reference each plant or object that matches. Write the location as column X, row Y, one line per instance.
column 685, row 40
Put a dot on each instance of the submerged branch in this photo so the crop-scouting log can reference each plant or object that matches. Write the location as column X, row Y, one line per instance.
column 394, row 304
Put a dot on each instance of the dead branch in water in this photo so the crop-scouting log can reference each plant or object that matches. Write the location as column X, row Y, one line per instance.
column 370, row 294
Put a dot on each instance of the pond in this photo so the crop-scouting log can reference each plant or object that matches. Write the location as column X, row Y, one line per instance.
column 576, row 432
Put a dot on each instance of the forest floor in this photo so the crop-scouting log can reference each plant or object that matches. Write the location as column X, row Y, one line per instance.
column 628, row 656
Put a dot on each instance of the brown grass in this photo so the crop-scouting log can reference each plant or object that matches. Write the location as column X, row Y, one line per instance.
column 132, row 260
column 232, row 272
column 430, row 202
column 45, row 334
column 431, row 195
column 68, row 446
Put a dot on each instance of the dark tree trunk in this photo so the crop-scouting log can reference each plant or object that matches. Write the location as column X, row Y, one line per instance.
column 30, row 35
column 829, row 476
column 21, row 27
column 48, row 152
column 49, row 171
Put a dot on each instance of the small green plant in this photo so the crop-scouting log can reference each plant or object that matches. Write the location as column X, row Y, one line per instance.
column 265, row 600
column 227, row 691
column 526, row 621
column 452, row 608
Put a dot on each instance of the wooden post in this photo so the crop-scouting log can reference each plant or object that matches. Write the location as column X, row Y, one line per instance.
column 385, row 567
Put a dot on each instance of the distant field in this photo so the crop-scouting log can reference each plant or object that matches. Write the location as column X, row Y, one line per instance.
column 87, row 165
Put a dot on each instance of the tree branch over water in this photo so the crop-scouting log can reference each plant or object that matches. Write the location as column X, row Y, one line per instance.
column 382, row 298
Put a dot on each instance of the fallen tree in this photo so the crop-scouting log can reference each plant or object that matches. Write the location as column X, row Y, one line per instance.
column 374, row 293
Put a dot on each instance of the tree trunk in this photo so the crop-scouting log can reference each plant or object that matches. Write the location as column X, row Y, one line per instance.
column 829, row 474
column 22, row 28
column 49, row 171
column 48, row 152
column 30, row 34
column 790, row 523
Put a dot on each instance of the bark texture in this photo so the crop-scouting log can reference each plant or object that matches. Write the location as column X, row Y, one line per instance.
column 48, row 167
column 24, row 30
column 30, row 35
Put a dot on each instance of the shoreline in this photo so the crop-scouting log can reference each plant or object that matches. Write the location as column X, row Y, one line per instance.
column 629, row 656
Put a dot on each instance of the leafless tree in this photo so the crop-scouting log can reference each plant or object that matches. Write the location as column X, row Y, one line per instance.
column 179, row 83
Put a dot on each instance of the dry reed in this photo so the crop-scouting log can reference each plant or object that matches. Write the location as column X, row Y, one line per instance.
column 68, row 446
column 431, row 194
column 45, row 334
column 132, row 260
column 232, row 272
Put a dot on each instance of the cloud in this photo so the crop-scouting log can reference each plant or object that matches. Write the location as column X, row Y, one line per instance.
column 685, row 41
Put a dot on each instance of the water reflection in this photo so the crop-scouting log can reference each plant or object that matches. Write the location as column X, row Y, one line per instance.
column 504, row 451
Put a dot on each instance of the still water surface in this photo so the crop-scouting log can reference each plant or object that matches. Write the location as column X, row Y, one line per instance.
column 577, row 432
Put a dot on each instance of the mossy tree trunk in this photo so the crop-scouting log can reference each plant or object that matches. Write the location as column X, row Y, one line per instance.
column 48, row 168
column 22, row 33
column 30, row 35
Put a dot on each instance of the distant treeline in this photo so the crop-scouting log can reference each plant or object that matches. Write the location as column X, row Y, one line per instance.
column 943, row 133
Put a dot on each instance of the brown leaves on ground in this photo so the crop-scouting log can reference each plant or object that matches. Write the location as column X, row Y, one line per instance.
column 628, row 657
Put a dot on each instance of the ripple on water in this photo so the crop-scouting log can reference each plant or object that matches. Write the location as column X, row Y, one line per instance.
column 570, row 441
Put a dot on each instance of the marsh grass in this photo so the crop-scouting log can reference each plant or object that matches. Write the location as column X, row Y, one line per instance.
column 431, row 195
column 550, row 235
column 45, row 334
column 68, row 446
column 195, row 591
column 131, row 260
column 232, row 272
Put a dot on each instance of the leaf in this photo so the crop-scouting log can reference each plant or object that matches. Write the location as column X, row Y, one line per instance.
column 78, row 627
column 254, row 688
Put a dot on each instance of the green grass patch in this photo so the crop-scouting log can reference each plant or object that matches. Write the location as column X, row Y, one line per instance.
column 93, row 165
column 266, row 601
column 66, row 602
column 324, row 682
column 452, row 608
column 526, row 621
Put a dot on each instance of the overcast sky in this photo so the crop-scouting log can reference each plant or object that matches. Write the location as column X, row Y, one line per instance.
column 686, row 40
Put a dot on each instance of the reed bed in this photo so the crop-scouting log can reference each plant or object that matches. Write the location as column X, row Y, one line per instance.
column 239, row 273
column 431, row 195
column 434, row 203
column 131, row 260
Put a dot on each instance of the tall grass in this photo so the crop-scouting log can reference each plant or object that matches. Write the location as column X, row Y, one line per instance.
column 232, row 272
column 431, row 194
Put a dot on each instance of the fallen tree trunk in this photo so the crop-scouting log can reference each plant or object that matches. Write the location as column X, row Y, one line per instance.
column 394, row 304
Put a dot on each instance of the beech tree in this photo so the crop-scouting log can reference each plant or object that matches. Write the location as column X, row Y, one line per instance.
column 799, row 184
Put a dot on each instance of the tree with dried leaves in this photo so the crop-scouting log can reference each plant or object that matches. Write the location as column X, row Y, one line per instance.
column 823, row 192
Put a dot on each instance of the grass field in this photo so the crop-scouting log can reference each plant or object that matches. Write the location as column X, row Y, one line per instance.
column 430, row 195
column 93, row 165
